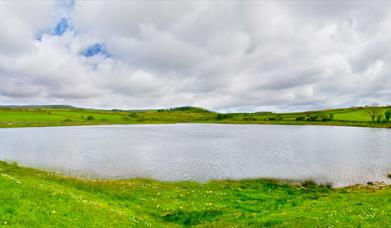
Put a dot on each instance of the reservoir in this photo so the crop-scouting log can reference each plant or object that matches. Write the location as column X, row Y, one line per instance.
column 200, row 152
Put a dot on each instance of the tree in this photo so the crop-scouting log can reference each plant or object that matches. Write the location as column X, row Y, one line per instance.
column 312, row 117
column 379, row 117
column 221, row 116
column 373, row 112
column 327, row 117
column 387, row 115
column 324, row 117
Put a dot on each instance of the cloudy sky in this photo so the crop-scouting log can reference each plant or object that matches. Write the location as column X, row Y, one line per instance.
column 224, row 56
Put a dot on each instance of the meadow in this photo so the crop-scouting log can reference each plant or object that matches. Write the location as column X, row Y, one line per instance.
column 34, row 198
column 34, row 116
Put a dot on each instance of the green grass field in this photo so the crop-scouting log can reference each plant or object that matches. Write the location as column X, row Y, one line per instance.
column 69, row 116
column 33, row 198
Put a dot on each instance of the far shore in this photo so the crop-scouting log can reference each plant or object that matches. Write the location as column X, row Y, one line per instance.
column 47, row 116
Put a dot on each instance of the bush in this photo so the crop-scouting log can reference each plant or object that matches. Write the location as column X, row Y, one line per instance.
column 313, row 118
column 275, row 118
column 309, row 184
column 221, row 116
column 67, row 120
column 379, row 118
column 249, row 118
column 300, row 118
column 324, row 117
column 387, row 115
column 132, row 115
column 327, row 117
column 90, row 118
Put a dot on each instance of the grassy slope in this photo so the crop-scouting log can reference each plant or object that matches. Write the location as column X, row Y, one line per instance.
column 30, row 197
column 35, row 116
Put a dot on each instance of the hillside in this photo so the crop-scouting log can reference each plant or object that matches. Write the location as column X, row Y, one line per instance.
column 30, row 197
column 31, row 116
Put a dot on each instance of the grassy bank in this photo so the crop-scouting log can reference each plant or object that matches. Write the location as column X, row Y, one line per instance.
column 30, row 197
column 70, row 116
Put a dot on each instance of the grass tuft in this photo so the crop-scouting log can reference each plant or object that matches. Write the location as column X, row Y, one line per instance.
column 191, row 217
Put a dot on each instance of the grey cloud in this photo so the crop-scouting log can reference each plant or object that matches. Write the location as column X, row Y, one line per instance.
column 282, row 56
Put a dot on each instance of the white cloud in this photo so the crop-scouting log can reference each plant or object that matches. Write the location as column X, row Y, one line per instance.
column 18, row 23
column 219, row 55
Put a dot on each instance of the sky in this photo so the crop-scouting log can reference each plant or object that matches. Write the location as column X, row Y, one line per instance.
column 227, row 56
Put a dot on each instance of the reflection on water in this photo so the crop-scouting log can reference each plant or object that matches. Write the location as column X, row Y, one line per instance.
column 337, row 155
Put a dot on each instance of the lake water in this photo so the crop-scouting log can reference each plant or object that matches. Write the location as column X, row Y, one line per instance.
column 338, row 155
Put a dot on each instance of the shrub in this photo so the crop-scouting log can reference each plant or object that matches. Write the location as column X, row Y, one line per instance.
column 387, row 115
column 90, row 118
column 373, row 112
column 379, row 118
column 324, row 117
column 309, row 184
column 249, row 118
column 132, row 115
column 67, row 120
column 300, row 118
column 275, row 118
column 313, row 118
column 327, row 117
column 221, row 116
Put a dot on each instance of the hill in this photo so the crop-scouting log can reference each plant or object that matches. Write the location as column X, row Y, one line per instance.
column 62, row 115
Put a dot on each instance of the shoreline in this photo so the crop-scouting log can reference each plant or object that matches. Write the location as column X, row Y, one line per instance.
column 278, row 181
column 290, row 123
column 32, row 197
column 42, row 116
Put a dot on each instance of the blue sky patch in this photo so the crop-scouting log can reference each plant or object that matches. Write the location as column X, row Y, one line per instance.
column 96, row 49
column 61, row 27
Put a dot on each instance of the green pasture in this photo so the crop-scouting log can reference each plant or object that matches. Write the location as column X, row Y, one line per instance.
column 34, row 198
column 50, row 116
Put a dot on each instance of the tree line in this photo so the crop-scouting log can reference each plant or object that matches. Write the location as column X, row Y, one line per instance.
column 376, row 115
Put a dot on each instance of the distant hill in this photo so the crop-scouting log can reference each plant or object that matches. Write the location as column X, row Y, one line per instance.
column 65, row 115
column 185, row 109
column 40, row 106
